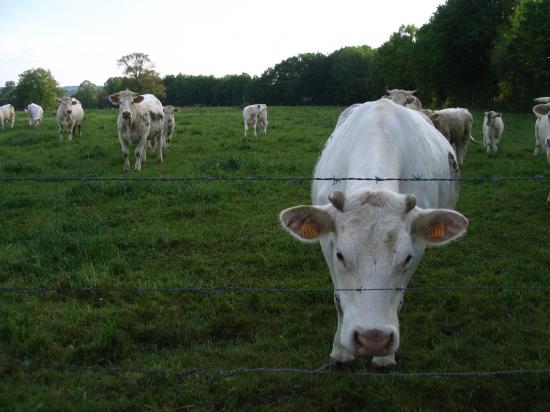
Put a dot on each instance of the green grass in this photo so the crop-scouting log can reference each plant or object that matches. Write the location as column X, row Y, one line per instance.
column 207, row 234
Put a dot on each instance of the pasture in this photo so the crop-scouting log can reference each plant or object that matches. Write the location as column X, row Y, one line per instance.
column 206, row 234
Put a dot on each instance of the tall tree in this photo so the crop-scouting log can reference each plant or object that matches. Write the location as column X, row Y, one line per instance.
column 454, row 50
column 7, row 95
column 139, row 67
column 36, row 86
column 90, row 95
column 522, row 55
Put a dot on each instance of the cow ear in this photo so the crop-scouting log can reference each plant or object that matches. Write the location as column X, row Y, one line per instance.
column 498, row 115
column 58, row 100
column 138, row 99
column 439, row 226
column 541, row 109
column 176, row 109
column 74, row 102
column 434, row 116
column 307, row 223
column 114, row 99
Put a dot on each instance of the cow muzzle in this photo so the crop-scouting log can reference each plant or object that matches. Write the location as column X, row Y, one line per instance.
column 69, row 111
column 126, row 115
column 375, row 342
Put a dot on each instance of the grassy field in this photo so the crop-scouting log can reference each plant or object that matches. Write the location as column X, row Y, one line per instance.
column 207, row 234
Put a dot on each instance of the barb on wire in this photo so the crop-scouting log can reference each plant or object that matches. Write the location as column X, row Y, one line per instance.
column 324, row 370
column 220, row 290
column 295, row 179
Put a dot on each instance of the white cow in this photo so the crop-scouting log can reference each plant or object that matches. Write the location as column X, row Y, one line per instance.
column 252, row 114
column 35, row 113
column 405, row 98
column 456, row 126
column 373, row 234
column 140, row 118
column 7, row 113
column 169, row 124
column 542, row 131
column 70, row 115
column 493, row 126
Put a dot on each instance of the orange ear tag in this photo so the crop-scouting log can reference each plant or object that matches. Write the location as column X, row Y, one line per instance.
column 437, row 232
column 308, row 230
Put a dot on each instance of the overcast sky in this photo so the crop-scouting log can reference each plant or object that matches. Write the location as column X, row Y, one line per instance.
column 82, row 40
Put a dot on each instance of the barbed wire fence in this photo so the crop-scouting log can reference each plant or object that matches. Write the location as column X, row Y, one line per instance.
column 221, row 290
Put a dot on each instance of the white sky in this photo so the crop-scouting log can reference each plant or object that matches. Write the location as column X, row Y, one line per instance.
column 82, row 40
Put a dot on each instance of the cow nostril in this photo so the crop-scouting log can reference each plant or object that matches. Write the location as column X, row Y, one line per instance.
column 69, row 111
column 125, row 114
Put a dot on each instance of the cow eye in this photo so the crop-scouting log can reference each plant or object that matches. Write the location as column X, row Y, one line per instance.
column 407, row 260
column 340, row 257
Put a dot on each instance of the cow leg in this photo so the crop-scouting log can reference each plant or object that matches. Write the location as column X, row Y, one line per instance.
column 70, row 134
column 537, row 144
column 384, row 361
column 339, row 354
column 125, row 152
column 254, row 126
column 141, row 152
column 159, row 142
column 2, row 123
column 245, row 128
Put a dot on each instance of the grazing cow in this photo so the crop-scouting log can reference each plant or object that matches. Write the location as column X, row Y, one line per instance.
column 69, row 116
column 493, row 126
column 405, row 98
column 8, row 115
column 251, row 115
column 169, row 124
column 542, row 131
column 35, row 113
column 374, row 233
column 456, row 126
column 140, row 118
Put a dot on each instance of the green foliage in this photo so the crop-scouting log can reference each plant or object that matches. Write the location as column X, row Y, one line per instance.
column 522, row 54
column 36, row 86
column 91, row 96
column 206, row 234
column 139, row 68
column 7, row 94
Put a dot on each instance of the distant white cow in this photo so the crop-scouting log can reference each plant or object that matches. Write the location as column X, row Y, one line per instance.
column 405, row 98
column 373, row 234
column 493, row 126
column 456, row 126
column 140, row 118
column 8, row 115
column 169, row 124
column 70, row 115
column 252, row 114
column 35, row 113
column 542, row 131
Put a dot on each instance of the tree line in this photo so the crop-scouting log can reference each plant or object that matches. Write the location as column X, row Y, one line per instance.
column 472, row 53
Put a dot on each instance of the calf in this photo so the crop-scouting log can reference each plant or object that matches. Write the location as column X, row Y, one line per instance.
column 374, row 233
column 542, row 131
column 456, row 126
column 8, row 114
column 140, row 117
column 493, row 126
column 169, row 124
column 35, row 113
column 69, row 116
column 251, row 115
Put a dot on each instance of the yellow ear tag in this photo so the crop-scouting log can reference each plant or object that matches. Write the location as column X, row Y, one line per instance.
column 437, row 232
column 308, row 230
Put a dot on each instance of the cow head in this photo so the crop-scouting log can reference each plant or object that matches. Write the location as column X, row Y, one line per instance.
column 401, row 97
column 371, row 240
column 490, row 117
column 125, row 101
column 66, row 105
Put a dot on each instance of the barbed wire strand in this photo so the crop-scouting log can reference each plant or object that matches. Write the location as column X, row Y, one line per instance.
column 57, row 179
column 324, row 370
column 245, row 289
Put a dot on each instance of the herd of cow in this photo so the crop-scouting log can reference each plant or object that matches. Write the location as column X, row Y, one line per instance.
column 372, row 233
